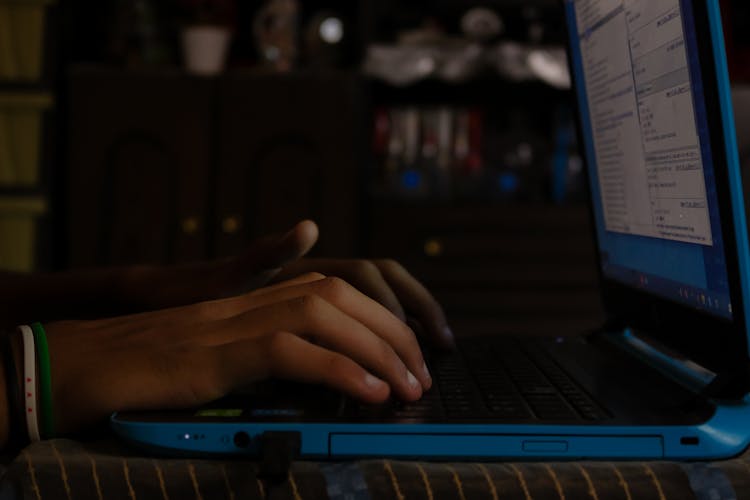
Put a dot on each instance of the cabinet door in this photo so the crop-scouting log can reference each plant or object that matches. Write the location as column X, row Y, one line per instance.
column 288, row 146
column 140, row 145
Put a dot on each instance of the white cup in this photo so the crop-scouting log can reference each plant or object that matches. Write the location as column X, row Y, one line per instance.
column 205, row 49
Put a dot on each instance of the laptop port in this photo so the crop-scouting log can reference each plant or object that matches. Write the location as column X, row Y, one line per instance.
column 241, row 439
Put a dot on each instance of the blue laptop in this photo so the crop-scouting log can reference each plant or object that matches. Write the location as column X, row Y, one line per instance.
column 667, row 376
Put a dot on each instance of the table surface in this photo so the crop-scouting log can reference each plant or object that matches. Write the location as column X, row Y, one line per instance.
column 106, row 469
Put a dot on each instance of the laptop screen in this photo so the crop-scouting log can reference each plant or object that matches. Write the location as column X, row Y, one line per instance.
column 646, row 140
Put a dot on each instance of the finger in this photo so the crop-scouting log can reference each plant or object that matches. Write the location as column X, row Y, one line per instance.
column 266, row 256
column 354, row 303
column 288, row 356
column 232, row 306
column 366, row 277
column 209, row 310
column 293, row 282
column 418, row 301
column 314, row 318
column 257, row 266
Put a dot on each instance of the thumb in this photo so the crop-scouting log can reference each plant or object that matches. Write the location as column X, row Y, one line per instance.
column 269, row 253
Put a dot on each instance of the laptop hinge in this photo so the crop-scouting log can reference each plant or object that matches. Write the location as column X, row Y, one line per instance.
column 725, row 385
column 685, row 372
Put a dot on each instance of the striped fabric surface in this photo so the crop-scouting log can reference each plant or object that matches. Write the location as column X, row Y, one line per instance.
column 71, row 470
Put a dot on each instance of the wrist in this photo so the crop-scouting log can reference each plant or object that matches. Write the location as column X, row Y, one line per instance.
column 13, row 433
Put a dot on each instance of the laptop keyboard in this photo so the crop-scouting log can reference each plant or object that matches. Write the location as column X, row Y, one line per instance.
column 501, row 380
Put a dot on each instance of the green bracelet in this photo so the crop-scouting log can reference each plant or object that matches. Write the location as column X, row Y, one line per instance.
column 45, row 382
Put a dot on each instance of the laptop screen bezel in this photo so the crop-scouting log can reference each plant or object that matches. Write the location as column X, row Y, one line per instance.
column 717, row 343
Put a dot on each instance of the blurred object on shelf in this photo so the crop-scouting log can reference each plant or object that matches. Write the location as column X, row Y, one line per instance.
column 19, row 217
column 451, row 61
column 459, row 62
column 456, row 61
column 426, row 152
column 381, row 133
column 206, row 34
column 567, row 178
column 450, row 152
column 399, row 66
column 205, row 49
column 469, row 181
column 21, row 118
column 482, row 24
column 275, row 29
column 511, row 61
column 550, row 65
column 517, row 153
column 437, row 132
column 454, row 41
column 326, row 35
column 532, row 22
column 474, row 161
column 397, row 149
column 519, row 63
column 411, row 176
column 444, row 129
column 22, row 39
column 421, row 53
column 447, row 37
column 461, row 140
column 138, row 36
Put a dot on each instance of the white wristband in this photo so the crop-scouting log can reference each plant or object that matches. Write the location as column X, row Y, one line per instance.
column 29, row 383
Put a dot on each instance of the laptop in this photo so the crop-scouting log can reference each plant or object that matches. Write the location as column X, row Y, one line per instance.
column 666, row 377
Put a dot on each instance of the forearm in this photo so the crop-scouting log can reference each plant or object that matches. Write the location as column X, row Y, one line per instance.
column 26, row 298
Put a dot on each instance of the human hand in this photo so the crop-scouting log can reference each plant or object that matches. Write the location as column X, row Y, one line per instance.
column 313, row 329
column 390, row 284
column 152, row 287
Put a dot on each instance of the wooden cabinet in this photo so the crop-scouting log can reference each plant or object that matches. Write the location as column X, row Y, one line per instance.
column 139, row 167
column 288, row 149
column 165, row 167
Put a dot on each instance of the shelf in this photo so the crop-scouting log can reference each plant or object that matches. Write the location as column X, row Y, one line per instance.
column 482, row 90
column 481, row 209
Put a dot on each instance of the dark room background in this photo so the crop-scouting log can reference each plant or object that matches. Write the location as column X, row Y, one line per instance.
column 439, row 133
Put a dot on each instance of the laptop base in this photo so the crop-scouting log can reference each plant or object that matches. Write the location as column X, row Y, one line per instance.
column 647, row 416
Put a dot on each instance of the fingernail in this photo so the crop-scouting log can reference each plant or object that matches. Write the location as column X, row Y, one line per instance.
column 448, row 337
column 426, row 371
column 373, row 382
column 411, row 379
column 447, row 332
